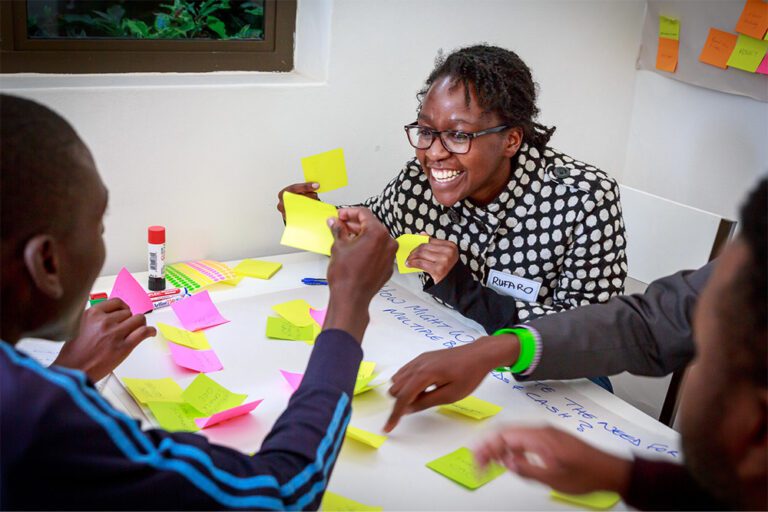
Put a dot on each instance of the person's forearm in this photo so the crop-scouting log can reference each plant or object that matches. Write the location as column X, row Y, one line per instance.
column 347, row 312
column 495, row 351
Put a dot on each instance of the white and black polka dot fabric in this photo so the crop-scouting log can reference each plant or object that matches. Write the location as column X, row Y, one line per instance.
column 558, row 223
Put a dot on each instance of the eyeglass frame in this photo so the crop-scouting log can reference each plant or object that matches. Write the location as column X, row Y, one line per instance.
column 436, row 134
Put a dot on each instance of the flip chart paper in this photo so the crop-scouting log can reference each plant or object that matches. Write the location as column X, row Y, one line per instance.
column 718, row 48
column 666, row 55
column 318, row 315
column 154, row 390
column 131, row 292
column 600, row 500
column 460, row 467
column 333, row 502
column 195, row 340
column 669, row 28
column 209, row 397
column 175, row 417
column 754, row 19
column 295, row 311
column 257, row 268
column 748, row 53
column 306, row 224
column 365, row 437
column 198, row 312
column 763, row 67
column 405, row 246
column 473, row 407
column 228, row 414
column 327, row 169
column 203, row 361
column 282, row 329
column 293, row 379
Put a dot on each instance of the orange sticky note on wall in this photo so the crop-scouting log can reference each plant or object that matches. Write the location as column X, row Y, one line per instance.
column 754, row 19
column 666, row 56
column 718, row 48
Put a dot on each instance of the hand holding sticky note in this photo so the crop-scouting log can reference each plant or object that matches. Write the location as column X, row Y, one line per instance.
column 306, row 224
column 131, row 292
column 405, row 246
column 327, row 169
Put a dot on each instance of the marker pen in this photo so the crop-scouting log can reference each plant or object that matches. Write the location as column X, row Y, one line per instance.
column 156, row 257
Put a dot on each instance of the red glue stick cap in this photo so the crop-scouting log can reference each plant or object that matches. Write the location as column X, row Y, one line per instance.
column 156, row 234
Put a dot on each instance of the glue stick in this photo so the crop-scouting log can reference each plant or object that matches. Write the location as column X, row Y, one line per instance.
column 156, row 257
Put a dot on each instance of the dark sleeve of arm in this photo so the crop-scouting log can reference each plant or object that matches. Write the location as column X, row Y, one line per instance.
column 657, row 485
column 645, row 334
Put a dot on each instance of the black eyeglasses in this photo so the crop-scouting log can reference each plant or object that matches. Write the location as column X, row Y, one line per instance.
column 454, row 141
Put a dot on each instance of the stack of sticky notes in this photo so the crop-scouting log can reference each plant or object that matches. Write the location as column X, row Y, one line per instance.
column 296, row 322
column 258, row 269
column 473, row 407
column 196, row 275
column 306, row 223
column 669, row 44
column 405, row 245
column 460, row 467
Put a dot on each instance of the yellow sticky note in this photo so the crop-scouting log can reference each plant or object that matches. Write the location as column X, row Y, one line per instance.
column 306, row 224
column 365, row 369
column 327, row 169
column 154, row 390
column 364, row 376
column 460, row 467
column 473, row 407
column 234, row 281
column 748, row 53
column 257, row 268
column 282, row 329
column 669, row 28
column 405, row 246
column 365, row 437
column 600, row 500
column 195, row 340
column 333, row 502
column 209, row 397
column 175, row 417
column 295, row 311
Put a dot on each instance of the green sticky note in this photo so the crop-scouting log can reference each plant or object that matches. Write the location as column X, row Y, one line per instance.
column 333, row 502
column 405, row 246
column 365, row 437
column 306, row 224
column 175, row 417
column 282, row 329
column 154, row 390
column 295, row 311
column 669, row 28
column 327, row 169
column 748, row 53
column 209, row 397
column 460, row 467
column 195, row 340
column 600, row 500
column 257, row 268
column 473, row 407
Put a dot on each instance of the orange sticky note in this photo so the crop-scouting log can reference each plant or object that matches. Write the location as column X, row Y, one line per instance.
column 666, row 56
column 754, row 19
column 718, row 48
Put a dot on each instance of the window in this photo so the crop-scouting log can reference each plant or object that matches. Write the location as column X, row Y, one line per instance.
column 120, row 36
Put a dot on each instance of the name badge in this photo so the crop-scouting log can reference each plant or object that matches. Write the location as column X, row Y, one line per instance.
column 526, row 290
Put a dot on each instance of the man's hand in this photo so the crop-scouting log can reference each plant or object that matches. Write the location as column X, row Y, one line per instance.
column 303, row 189
column 557, row 459
column 361, row 262
column 436, row 258
column 445, row 376
column 108, row 333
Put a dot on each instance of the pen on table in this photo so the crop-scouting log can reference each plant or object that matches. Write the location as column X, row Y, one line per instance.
column 312, row 281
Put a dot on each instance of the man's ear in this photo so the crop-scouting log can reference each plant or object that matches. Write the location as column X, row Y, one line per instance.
column 754, row 464
column 43, row 262
column 513, row 141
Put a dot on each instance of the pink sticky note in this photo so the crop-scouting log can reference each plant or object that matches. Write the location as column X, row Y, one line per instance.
column 318, row 315
column 198, row 312
column 203, row 361
column 763, row 67
column 128, row 289
column 228, row 414
column 294, row 379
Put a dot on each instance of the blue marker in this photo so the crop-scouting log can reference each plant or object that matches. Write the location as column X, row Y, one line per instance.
column 314, row 281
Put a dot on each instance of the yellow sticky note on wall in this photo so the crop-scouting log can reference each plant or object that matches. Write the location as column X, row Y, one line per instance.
column 748, row 53
column 154, row 390
column 600, row 500
column 259, row 269
column 195, row 340
column 327, row 169
column 306, row 224
column 473, row 407
column 365, row 437
column 669, row 28
column 405, row 246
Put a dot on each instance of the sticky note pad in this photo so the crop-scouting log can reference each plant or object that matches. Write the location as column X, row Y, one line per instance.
column 175, row 417
column 282, row 329
column 154, row 390
column 227, row 414
column 203, row 361
column 669, row 28
column 131, row 292
column 365, row 437
column 293, row 379
column 327, row 169
column 718, row 48
column 753, row 21
column 600, row 500
column 460, row 467
column 295, row 311
column 195, row 340
column 666, row 55
column 473, row 407
column 198, row 312
column 748, row 53
column 306, row 224
column 405, row 246
column 209, row 397
column 333, row 502
column 257, row 268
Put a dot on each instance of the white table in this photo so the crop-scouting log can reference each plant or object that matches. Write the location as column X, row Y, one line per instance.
column 394, row 476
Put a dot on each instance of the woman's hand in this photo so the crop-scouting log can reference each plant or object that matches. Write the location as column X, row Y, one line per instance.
column 436, row 258
column 304, row 189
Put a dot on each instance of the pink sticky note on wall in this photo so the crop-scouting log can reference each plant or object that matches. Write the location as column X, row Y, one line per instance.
column 318, row 315
column 203, row 361
column 227, row 415
column 131, row 292
column 198, row 312
column 763, row 67
column 294, row 379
